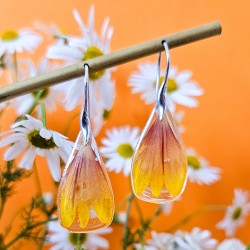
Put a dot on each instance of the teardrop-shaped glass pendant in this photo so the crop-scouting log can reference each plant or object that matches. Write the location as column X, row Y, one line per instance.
column 159, row 166
column 85, row 197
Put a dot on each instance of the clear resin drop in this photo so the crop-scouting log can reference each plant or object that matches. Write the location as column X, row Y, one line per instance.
column 85, row 197
column 159, row 167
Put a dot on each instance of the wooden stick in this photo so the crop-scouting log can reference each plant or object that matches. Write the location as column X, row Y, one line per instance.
column 109, row 60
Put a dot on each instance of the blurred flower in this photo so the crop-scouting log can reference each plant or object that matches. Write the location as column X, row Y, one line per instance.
column 48, row 198
column 99, row 118
column 22, row 41
column 199, row 170
column 31, row 136
column 120, row 217
column 196, row 240
column 159, row 241
column 119, row 148
column 178, row 117
column 53, row 31
column 88, row 46
column 236, row 213
column 61, row 239
column 167, row 207
column 231, row 244
column 50, row 95
column 180, row 88
column 3, row 105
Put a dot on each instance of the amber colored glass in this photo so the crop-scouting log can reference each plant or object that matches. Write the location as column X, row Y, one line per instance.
column 85, row 196
column 159, row 167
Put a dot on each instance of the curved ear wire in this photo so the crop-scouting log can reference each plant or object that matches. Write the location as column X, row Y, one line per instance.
column 85, row 114
column 158, row 74
column 162, row 93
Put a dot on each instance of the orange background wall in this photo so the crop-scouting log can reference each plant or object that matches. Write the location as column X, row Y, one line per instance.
column 218, row 129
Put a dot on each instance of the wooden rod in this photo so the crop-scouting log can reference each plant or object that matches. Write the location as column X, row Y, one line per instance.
column 109, row 60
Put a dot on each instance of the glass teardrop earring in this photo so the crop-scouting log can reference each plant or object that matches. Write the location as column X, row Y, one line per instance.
column 85, row 196
column 159, row 166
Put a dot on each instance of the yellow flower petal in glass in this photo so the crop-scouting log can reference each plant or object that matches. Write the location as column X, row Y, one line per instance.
column 85, row 197
column 159, row 165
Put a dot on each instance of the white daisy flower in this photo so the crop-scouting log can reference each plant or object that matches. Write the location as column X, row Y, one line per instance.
column 159, row 241
column 196, row 240
column 181, row 89
column 199, row 170
column 50, row 96
column 118, row 148
column 22, row 41
column 231, row 244
column 88, row 46
column 236, row 213
column 53, row 31
column 32, row 138
column 61, row 239
column 100, row 117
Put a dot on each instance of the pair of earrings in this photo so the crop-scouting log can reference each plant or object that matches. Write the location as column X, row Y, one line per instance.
column 85, row 197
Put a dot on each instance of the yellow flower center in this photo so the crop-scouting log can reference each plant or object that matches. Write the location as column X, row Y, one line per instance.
column 37, row 141
column 90, row 53
column 44, row 94
column 73, row 238
column 171, row 86
column 125, row 150
column 193, row 162
column 237, row 213
column 9, row 35
column 106, row 114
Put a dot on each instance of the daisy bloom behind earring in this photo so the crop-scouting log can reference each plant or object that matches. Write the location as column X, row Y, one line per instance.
column 236, row 213
column 19, row 41
column 181, row 89
column 88, row 46
column 199, row 170
column 61, row 239
column 197, row 239
column 31, row 137
column 51, row 96
column 118, row 148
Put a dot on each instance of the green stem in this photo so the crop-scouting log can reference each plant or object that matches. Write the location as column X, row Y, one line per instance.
column 35, row 102
column 43, row 115
column 155, row 215
column 15, row 67
column 139, row 211
column 126, row 227
column 198, row 212
column 5, row 185
column 43, row 240
column 79, row 243
column 23, row 232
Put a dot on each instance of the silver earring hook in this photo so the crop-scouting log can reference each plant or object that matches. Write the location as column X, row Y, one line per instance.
column 162, row 92
column 85, row 114
column 158, row 74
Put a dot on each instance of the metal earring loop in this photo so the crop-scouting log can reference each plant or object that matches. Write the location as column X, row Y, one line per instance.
column 85, row 114
column 162, row 93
